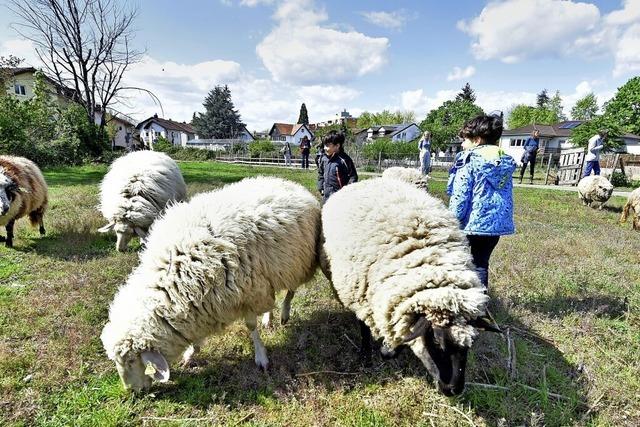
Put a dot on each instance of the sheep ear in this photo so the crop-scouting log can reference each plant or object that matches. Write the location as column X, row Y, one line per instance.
column 156, row 366
column 140, row 232
column 106, row 228
column 485, row 323
column 419, row 328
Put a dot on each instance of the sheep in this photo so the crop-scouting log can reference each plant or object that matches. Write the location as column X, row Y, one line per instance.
column 218, row 258
column 594, row 188
column 633, row 203
column 136, row 190
column 397, row 258
column 412, row 176
column 23, row 191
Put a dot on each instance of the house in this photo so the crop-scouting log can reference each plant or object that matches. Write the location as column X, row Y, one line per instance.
column 554, row 138
column 178, row 133
column 397, row 133
column 245, row 135
column 343, row 118
column 21, row 83
column 283, row 132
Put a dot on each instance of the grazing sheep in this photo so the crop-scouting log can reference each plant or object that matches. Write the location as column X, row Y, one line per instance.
column 23, row 191
column 209, row 262
column 594, row 188
column 412, row 176
column 136, row 190
column 397, row 258
column 633, row 203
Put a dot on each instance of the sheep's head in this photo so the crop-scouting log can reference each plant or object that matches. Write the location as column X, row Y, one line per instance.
column 443, row 333
column 603, row 190
column 124, row 232
column 138, row 370
column 9, row 191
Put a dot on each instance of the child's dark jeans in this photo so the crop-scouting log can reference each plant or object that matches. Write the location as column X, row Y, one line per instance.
column 481, row 248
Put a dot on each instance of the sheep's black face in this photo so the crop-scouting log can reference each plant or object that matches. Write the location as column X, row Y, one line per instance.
column 8, row 192
column 449, row 358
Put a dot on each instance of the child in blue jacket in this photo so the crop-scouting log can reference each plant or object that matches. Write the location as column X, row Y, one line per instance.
column 482, row 190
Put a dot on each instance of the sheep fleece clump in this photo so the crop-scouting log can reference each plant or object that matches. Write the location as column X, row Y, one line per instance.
column 411, row 176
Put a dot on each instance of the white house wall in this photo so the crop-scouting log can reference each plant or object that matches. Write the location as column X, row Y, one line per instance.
column 410, row 133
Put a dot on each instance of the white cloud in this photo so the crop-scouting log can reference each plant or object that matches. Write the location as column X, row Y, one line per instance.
column 392, row 20
column 420, row 103
column 629, row 14
column 23, row 49
column 513, row 30
column 460, row 74
column 628, row 52
column 301, row 51
column 253, row 3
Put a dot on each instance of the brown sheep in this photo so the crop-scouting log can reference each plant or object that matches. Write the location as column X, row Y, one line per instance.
column 23, row 191
column 633, row 204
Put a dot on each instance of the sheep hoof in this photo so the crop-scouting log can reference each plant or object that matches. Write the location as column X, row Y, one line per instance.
column 284, row 318
column 263, row 364
column 42, row 231
column 388, row 353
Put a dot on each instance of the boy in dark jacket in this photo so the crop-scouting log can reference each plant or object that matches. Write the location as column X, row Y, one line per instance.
column 335, row 167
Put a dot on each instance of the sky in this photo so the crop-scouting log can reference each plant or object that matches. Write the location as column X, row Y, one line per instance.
column 369, row 55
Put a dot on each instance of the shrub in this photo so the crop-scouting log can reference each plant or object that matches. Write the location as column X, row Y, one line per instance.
column 177, row 152
column 261, row 146
column 618, row 179
column 386, row 148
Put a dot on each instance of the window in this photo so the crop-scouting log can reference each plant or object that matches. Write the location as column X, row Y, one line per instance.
column 20, row 89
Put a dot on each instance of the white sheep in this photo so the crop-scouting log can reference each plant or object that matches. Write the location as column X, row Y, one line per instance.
column 633, row 204
column 23, row 191
column 594, row 188
column 136, row 190
column 397, row 258
column 221, row 257
column 412, row 176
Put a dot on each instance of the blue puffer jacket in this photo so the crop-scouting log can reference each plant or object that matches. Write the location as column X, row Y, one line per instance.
column 482, row 192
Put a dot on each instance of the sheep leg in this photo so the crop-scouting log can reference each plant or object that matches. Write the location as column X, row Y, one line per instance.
column 266, row 319
column 365, row 345
column 286, row 307
column 260, row 351
column 9, row 227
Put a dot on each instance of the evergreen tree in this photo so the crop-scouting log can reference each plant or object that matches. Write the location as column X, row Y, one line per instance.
column 220, row 120
column 466, row 94
column 586, row 108
column 543, row 99
column 303, row 117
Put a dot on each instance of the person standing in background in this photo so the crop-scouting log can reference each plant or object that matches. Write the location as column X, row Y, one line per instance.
column 305, row 148
column 529, row 156
column 424, row 145
column 592, row 158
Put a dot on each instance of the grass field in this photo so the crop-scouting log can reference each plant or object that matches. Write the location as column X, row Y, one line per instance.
column 566, row 286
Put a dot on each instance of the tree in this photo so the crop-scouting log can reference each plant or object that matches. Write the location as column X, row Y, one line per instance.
column 303, row 117
column 586, row 108
column 555, row 105
column 445, row 122
column 385, row 117
column 466, row 94
column 624, row 108
column 543, row 99
column 522, row 115
column 581, row 134
column 84, row 45
column 220, row 119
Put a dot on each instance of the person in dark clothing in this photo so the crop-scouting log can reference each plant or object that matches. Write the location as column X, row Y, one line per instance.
column 335, row 167
column 529, row 156
column 305, row 148
column 319, row 154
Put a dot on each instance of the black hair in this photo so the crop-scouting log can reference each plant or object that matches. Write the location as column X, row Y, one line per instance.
column 488, row 128
column 333, row 137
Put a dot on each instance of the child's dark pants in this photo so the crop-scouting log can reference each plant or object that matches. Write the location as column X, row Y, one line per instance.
column 481, row 248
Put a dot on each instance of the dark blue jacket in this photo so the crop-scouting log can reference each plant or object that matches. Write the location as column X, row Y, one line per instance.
column 334, row 173
column 530, row 149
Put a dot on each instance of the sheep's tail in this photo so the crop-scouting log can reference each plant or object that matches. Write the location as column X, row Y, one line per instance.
column 625, row 212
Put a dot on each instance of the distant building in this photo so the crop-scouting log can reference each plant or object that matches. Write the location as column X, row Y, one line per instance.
column 342, row 118
column 21, row 83
column 283, row 132
column 397, row 133
column 178, row 133
column 554, row 138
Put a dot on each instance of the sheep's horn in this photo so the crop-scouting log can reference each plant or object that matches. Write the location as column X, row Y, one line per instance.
column 485, row 323
column 419, row 329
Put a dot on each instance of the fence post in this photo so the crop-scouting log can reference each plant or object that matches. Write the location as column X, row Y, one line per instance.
column 380, row 161
column 546, row 178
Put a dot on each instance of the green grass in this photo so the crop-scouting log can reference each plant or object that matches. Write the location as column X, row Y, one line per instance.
column 566, row 286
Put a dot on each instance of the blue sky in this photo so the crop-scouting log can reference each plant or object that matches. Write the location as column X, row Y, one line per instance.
column 371, row 55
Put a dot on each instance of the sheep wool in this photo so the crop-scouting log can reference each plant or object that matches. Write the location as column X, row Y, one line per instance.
column 633, row 204
column 409, row 175
column 23, row 191
column 136, row 190
column 594, row 188
column 218, row 258
column 394, row 252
